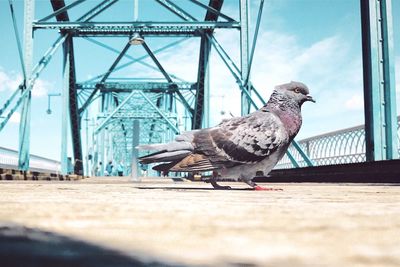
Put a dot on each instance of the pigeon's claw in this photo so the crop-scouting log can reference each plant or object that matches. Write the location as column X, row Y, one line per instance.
column 219, row 187
column 222, row 187
column 260, row 188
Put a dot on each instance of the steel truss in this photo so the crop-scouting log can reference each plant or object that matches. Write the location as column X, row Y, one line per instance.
column 157, row 104
column 153, row 103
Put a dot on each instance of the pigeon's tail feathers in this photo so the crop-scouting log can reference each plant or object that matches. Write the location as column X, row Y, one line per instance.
column 193, row 162
column 164, row 167
column 165, row 156
column 173, row 146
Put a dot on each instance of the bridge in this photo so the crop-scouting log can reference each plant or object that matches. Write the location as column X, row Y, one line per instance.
column 115, row 111
column 339, row 147
column 123, row 73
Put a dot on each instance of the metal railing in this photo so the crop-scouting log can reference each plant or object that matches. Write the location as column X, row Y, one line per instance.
column 338, row 147
column 9, row 160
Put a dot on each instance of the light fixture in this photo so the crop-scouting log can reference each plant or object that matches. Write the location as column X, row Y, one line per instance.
column 136, row 39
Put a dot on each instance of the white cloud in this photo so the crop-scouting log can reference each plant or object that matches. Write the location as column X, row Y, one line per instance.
column 15, row 118
column 41, row 88
column 9, row 81
column 356, row 102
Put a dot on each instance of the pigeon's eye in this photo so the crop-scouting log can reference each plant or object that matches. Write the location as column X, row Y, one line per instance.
column 297, row 90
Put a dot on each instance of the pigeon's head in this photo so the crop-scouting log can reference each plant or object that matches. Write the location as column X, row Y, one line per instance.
column 295, row 91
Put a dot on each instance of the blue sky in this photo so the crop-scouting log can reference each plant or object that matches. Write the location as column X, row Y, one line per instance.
column 314, row 41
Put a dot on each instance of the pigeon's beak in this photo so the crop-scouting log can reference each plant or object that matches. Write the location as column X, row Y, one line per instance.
column 309, row 98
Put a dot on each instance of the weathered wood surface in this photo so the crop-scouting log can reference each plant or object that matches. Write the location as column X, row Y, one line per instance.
column 188, row 223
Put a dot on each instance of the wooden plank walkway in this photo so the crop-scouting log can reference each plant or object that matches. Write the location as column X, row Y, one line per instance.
column 189, row 224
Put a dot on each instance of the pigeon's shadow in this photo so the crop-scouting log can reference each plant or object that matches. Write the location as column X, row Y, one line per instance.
column 179, row 188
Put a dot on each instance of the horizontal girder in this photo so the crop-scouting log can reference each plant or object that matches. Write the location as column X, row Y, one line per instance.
column 127, row 87
column 185, row 28
column 140, row 115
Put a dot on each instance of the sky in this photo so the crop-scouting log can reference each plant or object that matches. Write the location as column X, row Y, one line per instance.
column 317, row 42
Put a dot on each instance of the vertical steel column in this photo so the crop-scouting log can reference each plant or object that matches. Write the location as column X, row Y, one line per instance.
column 87, row 143
column 244, row 53
column 101, row 152
column 65, row 123
column 206, row 83
column 201, row 116
column 392, row 151
column 378, row 74
column 60, row 11
column 135, row 172
column 24, row 126
column 75, row 118
column 108, row 104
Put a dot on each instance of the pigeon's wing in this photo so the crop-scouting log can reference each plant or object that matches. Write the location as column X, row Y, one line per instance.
column 194, row 163
column 242, row 140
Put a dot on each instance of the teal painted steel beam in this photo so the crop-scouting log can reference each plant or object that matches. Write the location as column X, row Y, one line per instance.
column 74, row 116
column 75, row 122
column 135, row 170
column 166, row 75
column 244, row 55
column 106, row 75
column 98, row 9
column 186, row 28
column 135, row 60
column 35, row 74
column 143, row 86
column 210, row 9
column 65, row 114
column 159, row 111
column 231, row 66
column 16, row 32
column 253, row 47
column 201, row 116
column 302, row 154
column 158, row 64
column 378, row 75
column 141, row 26
column 292, row 159
column 24, row 126
column 9, row 101
column 61, row 10
column 176, row 10
column 108, row 118
column 392, row 145
column 235, row 72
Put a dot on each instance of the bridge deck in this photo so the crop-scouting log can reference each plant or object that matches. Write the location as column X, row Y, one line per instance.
column 118, row 223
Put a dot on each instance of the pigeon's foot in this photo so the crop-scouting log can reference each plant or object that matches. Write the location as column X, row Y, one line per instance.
column 219, row 187
column 261, row 188
column 213, row 182
column 257, row 187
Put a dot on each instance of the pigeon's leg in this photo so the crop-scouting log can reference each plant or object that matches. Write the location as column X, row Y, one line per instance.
column 213, row 182
column 260, row 188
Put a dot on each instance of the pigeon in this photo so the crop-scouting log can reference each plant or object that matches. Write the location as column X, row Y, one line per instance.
column 240, row 147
